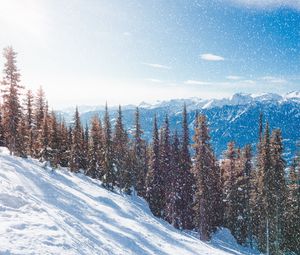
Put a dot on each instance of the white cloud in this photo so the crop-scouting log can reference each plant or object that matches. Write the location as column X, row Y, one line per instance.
column 269, row 3
column 249, row 81
column 211, row 57
column 196, row 82
column 272, row 79
column 159, row 66
column 234, row 77
column 233, row 83
column 154, row 80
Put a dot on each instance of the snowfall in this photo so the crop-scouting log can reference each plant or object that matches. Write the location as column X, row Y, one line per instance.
column 46, row 211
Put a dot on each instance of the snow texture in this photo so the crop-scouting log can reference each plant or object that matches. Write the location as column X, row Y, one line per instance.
column 45, row 211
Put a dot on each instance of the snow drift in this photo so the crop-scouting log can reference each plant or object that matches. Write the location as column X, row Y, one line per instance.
column 57, row 212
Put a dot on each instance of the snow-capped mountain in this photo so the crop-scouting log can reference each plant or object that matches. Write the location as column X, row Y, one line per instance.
column 234, row 118
column 236, row 99
column 46, row 211
column 198, row 103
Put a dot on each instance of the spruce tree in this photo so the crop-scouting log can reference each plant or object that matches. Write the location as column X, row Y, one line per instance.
column 186, row 177
column 85, row 147
column 11, row 104
column 139, row 157
column 55, row 138
column 95, row 150
column 217, row 204
column 255, row 197
column 165, row 160
column 64, row 147
column 154, row 181
column 39, row 114
column 109, row 173
column 292, row 215
column 229, row 178
column 279, row 193
column 40, row 105
column 265, row 193
column 2, row 137
column 76, row 156
column 69, row 145
column 173, row 207
column 21, row 139
column 271, row 193
column 247, row 188
column 241, row 190
column 204, row 165
column 45, row 139
column 122, row 155
column 29, row 122
column 260, row 127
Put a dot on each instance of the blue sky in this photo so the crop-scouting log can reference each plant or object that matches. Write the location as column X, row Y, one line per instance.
column 128, row 51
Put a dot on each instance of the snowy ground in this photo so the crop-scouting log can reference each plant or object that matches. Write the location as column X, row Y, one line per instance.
column 57, row 212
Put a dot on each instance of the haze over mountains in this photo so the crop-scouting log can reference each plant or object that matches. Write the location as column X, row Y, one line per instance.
column 234, row 118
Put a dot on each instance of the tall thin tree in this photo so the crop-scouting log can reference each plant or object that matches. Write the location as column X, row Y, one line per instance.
column 11, row 102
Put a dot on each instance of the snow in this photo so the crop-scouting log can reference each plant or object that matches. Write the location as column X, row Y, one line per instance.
column 293, row 96
column 267, row 97
column 58, row 212
column 235, row 99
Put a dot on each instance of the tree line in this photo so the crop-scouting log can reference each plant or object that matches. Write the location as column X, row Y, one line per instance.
column 254, row 196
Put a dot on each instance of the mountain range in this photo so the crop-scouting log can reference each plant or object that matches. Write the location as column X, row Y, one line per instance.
column 230, row 119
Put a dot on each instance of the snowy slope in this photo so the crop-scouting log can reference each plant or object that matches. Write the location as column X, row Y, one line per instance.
column 57, row 212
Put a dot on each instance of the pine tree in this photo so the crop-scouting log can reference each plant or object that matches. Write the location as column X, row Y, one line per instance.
column 85, row 148
column 229, row 178
column 109, row 174
column 204, row 165
column 186, row 177
column 39, row 111
column 241, row 190
column 292, row 217
column 95, row 149
column 29, row 122
column 64, row 146
column 76, row 155
column 69, row 145
column 255, row 197
column 54, row 140
column 154, row 181
column 217, row 204
column 44, row 138
column 165, row 160
column 139, row 157
column 40, row 105
column 247, row 230
column 173, row 207
column 122, row 155
column 2, row 137
column 265, row 193
column 11, row 103
column 21, row 139
column 260, row 128
column 271, row 193
column 279, row 193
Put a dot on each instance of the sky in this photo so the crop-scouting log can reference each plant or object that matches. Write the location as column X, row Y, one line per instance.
column 88, row 52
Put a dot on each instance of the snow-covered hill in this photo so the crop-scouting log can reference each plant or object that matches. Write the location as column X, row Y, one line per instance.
column 57, row 212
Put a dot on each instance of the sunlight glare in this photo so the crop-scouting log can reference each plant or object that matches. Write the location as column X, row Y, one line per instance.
column 25, row 16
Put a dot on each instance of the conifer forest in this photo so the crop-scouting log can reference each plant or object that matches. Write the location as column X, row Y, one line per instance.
column 252, row 191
